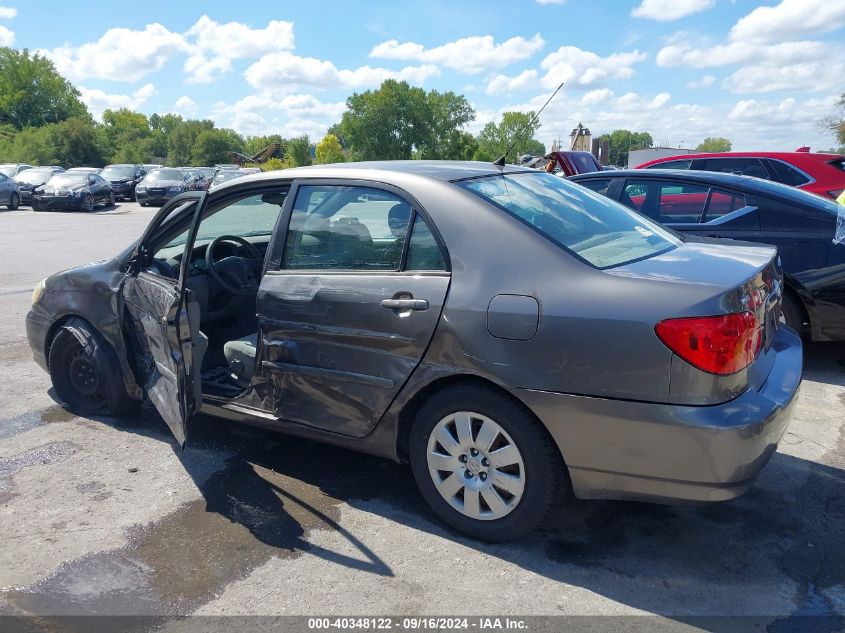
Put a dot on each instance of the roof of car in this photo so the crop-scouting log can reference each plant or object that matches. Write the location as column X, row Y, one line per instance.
column 447, row 170
column 782, row 155
column 684, row 174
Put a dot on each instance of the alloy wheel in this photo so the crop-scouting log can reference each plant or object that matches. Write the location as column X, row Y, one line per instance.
column 475, row 465
column 88, row 202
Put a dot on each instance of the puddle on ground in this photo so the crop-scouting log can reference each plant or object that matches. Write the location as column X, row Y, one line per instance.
column 10, row 427
column 262, row 503
column 45, row 455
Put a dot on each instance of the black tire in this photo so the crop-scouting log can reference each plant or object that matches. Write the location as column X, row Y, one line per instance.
column 88, row 203
column 14, row 202
column 87, row 377
column 546, row 477
column 35, row 206
column 793, row 314
column 111, row 201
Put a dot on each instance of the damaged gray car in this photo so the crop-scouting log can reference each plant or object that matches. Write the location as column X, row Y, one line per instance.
column 516, row 337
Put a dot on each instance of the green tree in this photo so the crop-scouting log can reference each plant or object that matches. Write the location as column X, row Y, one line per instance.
column 444, row 138
column 32, row 93
column 76, row 143
column 714, row 144
column 126, row 136
column 272, row 164
column 518, row 127
column 835, row 123
column 34, row 145
column 181, row 141
column 162, row 126
column 255, row 144
column 624, row 141
column 329, row 150
column 213, row 146
column 298, row 152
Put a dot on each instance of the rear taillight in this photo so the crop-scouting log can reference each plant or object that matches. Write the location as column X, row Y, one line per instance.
column 723, row 344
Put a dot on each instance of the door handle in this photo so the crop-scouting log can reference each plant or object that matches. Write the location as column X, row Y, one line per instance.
column 404, row 304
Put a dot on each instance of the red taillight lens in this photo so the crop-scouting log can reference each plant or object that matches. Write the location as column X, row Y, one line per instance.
column 721, row 345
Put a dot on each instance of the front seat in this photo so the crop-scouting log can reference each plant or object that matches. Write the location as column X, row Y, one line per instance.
column 240, row 356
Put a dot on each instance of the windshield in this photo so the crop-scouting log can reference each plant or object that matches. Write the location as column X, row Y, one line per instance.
column 165, row 174
column 68, row 180
column 118, row 172
column 8, row 170
column 601, row 232
column 34, row 176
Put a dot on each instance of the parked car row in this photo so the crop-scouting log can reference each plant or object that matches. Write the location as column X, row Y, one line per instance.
column 754, row 198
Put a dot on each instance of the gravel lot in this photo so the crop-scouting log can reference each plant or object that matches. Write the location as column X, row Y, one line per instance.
column 108, row 516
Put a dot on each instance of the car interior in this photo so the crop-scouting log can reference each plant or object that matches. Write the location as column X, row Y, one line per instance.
column 346, row 228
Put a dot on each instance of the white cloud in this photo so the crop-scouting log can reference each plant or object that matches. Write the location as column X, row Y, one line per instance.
column 687, row 54
column 7, row 37
column 282, row 70
column 288, row 115
column 550, row 1
column 7, row 13
column 121, row 54
column 215, row 45
column 503, row 83
column 704, row 82
column 810, row 76
column 186, row 106
column 668, row 10
column 573, row 65
column 97, row 100
column 594, row 97
column 789, row 19
column 469, row 54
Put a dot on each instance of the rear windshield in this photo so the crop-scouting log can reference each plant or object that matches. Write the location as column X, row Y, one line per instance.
column 599, row 231
column 118, row 172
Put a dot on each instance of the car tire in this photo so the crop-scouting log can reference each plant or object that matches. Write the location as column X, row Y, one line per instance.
column 88, row 202
column 14, row 202
column 86, row 374
column 513, row 490
column 112, row 200
column 793, row 314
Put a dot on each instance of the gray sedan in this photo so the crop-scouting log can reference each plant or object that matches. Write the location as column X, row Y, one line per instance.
column 517, row 338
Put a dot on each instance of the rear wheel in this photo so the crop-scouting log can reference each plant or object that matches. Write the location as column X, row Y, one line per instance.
column 484, row 464
column 14, row 202
column 85, row 375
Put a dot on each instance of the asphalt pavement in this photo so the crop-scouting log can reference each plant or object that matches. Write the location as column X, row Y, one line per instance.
column 106, row 516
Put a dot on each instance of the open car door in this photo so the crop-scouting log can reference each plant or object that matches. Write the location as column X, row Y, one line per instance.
column 164, row 328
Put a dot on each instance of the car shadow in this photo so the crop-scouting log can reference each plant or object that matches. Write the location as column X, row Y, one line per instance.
column 778, row 551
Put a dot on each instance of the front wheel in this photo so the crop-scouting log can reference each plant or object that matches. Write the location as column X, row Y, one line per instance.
column 111, row 202
column 484, row 464
column 88, row 202
column 85, row 373
column 14, row 202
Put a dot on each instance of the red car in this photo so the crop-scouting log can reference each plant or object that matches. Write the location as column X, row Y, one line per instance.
column 819, row 173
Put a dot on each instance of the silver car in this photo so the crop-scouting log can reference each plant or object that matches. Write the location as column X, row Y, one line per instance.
column 516, row 337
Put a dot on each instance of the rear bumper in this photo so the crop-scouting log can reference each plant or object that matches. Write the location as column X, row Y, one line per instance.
column 668, row 453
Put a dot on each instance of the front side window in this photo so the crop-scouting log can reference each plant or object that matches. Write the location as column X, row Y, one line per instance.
column 672, row 164
column 723, row 202
column 346, row 228
column 739, row 166
column 599, row 186
column 592, row 227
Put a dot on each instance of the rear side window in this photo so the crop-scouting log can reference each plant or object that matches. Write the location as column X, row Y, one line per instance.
column 721, row 203
column 423, row 251
column 787, row 174
column 599, row 186
column 666, row 201
column 838, row 164
column 739, row 166
column 593, row 228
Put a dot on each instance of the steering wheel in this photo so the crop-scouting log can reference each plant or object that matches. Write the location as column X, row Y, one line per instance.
column 238, row 275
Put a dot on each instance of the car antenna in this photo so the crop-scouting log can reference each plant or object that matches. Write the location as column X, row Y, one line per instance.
column 500, row 162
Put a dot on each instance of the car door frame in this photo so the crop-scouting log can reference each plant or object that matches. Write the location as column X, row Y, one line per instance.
column 184, row 384
column 273, row 266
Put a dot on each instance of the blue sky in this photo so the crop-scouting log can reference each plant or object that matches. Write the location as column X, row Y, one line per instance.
column 759, row 73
